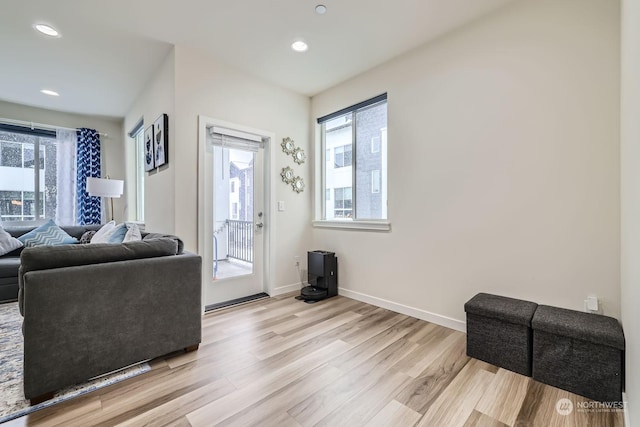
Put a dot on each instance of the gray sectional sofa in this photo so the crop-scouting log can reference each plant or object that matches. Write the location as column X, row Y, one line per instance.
column 92, row 309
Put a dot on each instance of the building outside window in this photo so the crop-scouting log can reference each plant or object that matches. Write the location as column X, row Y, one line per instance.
column 356, row 173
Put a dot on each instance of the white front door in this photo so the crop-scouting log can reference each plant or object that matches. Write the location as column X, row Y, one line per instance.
column 234, row 223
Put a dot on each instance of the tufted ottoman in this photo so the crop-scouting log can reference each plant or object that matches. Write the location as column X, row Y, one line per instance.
column 579, row 352
column 499, row 331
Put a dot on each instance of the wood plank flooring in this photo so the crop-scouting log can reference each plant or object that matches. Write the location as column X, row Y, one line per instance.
column 339, row 362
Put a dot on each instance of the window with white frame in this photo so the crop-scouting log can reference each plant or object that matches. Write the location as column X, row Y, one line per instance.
column 342, row 156
column 375, row 144
column 234, row 210
column 343, row 202
column 137, row 134
column 375, row 181
column 28, row 174
column 354, row 170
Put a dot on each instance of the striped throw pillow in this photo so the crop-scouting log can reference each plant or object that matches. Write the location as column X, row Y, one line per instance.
column 48, row 234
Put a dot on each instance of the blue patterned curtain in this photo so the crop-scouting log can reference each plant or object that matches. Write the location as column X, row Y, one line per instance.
column 89, row 208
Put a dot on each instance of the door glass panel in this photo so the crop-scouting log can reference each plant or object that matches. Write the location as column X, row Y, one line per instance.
column 233, row 237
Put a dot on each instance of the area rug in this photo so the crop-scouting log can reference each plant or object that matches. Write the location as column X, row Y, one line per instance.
column 12, row 401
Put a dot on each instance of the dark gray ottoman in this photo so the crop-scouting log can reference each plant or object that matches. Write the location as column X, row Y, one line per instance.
column 578, row 352
column 499, row 331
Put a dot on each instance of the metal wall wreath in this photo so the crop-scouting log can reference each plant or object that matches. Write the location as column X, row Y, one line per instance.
column 287, row 175
column 287, row 145
column 298, row 155
column 298, row 184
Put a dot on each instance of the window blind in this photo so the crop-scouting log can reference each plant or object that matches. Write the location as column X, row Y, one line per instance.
column 235, row 139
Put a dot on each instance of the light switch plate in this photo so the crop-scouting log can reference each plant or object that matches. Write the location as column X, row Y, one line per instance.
column 280, row 205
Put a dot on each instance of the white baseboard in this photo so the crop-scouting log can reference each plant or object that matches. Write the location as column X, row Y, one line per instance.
column 627, row 421
column 438, row 319
column 285, row 289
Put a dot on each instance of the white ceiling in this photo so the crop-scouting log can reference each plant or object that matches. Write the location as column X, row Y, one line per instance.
column 108, row 49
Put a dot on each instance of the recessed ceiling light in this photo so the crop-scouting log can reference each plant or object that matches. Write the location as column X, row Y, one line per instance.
column 50, row 92
column 299, row 46
column 321, row 9
column 47, row 30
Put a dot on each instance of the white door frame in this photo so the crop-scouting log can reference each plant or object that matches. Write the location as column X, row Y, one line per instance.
column 205, row 199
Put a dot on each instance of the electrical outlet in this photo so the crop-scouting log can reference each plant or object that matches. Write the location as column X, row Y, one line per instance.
column 296, row 258
column 591, row 304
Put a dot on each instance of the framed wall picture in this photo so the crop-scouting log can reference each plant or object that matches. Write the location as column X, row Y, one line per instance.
column 149, row 154
column 161, row 140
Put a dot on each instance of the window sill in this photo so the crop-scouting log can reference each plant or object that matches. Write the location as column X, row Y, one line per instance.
column 354, row 225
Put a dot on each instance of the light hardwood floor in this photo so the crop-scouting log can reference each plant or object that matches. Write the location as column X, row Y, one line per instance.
column 339, row 362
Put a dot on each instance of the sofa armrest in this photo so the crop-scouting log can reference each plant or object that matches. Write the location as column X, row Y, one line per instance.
column 152, row 236
column 84, row 321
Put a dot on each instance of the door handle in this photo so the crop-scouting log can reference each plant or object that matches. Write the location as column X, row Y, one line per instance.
column 259, row 225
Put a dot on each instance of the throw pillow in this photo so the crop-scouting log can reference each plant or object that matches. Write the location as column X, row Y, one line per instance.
column 48, row 234
column 8, row 243
column 133, row 233
column 117, row 234
column 86, row 237
column 102, row 234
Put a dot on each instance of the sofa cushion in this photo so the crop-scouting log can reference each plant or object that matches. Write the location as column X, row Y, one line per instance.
column 78, row 230
column 9, row 267
column 17, row 231
column 8, row 243
column 72, row 230
column 44, row 258
column 48, row 234
column 179, row 242
column 16, row 253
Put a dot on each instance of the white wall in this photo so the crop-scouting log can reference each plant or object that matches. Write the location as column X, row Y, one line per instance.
column 191, row 83
column 156, row 98
column 206, row 87
column 503, row 163
column 630, row 194
column 112, row 148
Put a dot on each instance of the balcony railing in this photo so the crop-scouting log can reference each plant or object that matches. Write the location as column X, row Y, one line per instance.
column 240, row 238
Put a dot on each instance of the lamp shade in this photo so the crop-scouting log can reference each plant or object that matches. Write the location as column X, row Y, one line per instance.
column 102, row 187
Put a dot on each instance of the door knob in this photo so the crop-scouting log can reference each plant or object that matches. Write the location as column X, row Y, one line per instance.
column 259, row 225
